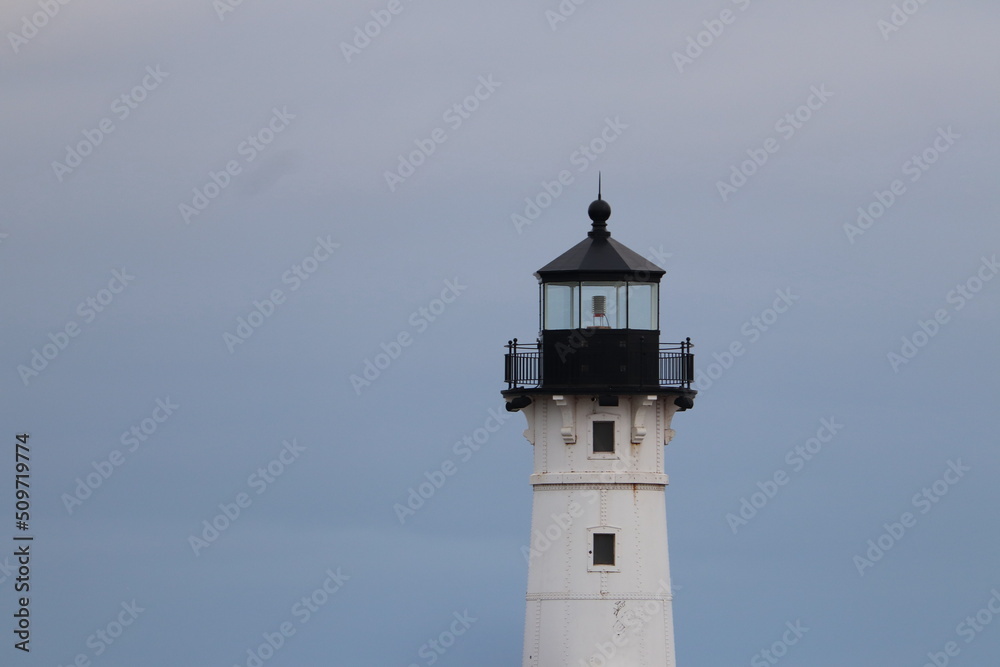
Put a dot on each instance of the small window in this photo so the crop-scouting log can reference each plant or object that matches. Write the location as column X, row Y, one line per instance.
column 604, row 548
column 604, row 437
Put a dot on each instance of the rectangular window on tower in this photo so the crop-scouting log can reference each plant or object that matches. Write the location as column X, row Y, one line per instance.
column 604, row 548
column 604, row 437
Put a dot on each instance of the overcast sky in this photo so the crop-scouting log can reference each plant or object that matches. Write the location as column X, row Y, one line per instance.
column 218, row 215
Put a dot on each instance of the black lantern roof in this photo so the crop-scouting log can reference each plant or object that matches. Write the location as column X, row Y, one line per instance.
column 600, row 257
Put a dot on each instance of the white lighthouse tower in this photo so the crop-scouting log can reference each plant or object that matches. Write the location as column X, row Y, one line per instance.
column 599, row 392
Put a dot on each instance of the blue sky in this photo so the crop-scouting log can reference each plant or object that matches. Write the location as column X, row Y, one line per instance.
column 218, row 213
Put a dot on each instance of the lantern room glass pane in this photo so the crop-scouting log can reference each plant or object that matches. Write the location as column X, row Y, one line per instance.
column 642, row 306
column 561, row 306
column 603, row 305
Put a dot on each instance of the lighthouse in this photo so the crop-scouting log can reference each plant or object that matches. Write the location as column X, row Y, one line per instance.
column 599, row 391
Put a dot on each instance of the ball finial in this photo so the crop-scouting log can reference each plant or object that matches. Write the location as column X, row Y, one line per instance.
column 599, row 211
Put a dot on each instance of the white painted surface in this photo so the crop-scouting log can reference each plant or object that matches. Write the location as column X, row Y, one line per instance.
column 579, row 614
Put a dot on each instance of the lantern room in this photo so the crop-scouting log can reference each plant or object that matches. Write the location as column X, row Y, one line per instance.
column 599, row 321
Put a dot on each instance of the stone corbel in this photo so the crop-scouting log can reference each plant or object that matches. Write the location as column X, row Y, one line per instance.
column 567, row 405
column 530, row 414
column 642, row 408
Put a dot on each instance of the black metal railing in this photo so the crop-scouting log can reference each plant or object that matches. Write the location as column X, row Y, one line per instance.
column 676, row 364
column 523, row 364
